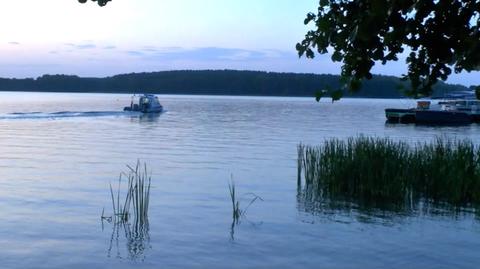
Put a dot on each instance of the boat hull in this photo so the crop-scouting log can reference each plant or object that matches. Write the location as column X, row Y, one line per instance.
column 442, row 117
column 150, row 110
column 398, row 115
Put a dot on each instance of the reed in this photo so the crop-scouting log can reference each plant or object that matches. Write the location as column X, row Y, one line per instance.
column 137, row 198
column 238, row 212
column 300, row 163
column 139, row 192
column 380, row 170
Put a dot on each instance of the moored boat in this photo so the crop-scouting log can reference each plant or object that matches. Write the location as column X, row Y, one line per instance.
column 462, row 111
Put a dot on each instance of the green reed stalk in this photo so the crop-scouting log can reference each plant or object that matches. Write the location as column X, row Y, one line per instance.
column 236, row 212
column 137, row 196
column 300, row 162
column 381, row 170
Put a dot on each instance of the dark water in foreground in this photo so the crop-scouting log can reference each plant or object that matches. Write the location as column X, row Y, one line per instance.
column 59, row 152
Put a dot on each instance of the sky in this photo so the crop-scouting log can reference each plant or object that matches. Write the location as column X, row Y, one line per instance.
column 65, row 37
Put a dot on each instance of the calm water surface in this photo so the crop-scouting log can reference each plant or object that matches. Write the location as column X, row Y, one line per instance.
column 59, row 153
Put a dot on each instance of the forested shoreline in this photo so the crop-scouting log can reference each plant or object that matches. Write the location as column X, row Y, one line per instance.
column 214, row 82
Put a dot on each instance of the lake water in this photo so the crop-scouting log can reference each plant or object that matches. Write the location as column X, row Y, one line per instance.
column 59, row 152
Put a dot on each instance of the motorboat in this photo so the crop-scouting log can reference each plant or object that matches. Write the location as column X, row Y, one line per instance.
column 147, row 103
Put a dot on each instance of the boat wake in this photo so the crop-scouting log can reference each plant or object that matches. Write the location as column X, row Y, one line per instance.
column 66, row 114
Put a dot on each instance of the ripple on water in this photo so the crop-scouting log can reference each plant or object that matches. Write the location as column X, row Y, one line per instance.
column 59, row 153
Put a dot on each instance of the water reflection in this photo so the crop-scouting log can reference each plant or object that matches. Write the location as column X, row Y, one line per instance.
column 236, row 224
column 56, row 168
column 145, row 117
column 341, row 209
column 232, row 230
column 136, row 237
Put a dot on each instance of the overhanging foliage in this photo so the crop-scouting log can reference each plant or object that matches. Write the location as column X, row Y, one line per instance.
column 438, row 36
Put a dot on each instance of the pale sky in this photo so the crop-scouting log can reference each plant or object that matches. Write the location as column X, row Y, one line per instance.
column 64, row 37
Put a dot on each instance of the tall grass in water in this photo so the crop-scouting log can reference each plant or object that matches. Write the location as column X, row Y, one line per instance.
column 137, row 198
column 379, row 170
column 130, row 211
column 139, row 192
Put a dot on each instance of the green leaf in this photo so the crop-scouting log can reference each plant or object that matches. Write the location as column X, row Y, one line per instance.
column 323, row 24
column 309, row 53
column 336, row 95
column 321, row 93
column 353, row 34
column 337, row 56
column 355, row 85
column 344, row 79
column 318, row 95
column 300, row 49
column 310, row 17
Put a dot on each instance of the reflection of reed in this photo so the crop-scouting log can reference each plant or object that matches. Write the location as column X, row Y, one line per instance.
column 137, row 240
column 232, row 230
column 235, row 224
column 312, row 201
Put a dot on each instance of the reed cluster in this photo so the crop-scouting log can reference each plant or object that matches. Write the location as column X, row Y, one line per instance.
column 136, row 200
column 130, row 212
column 380, row 170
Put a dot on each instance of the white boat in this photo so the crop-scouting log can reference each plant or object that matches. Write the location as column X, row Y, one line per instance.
column 147, row 103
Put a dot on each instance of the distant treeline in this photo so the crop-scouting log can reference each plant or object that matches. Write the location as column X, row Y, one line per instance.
column 214, row 82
